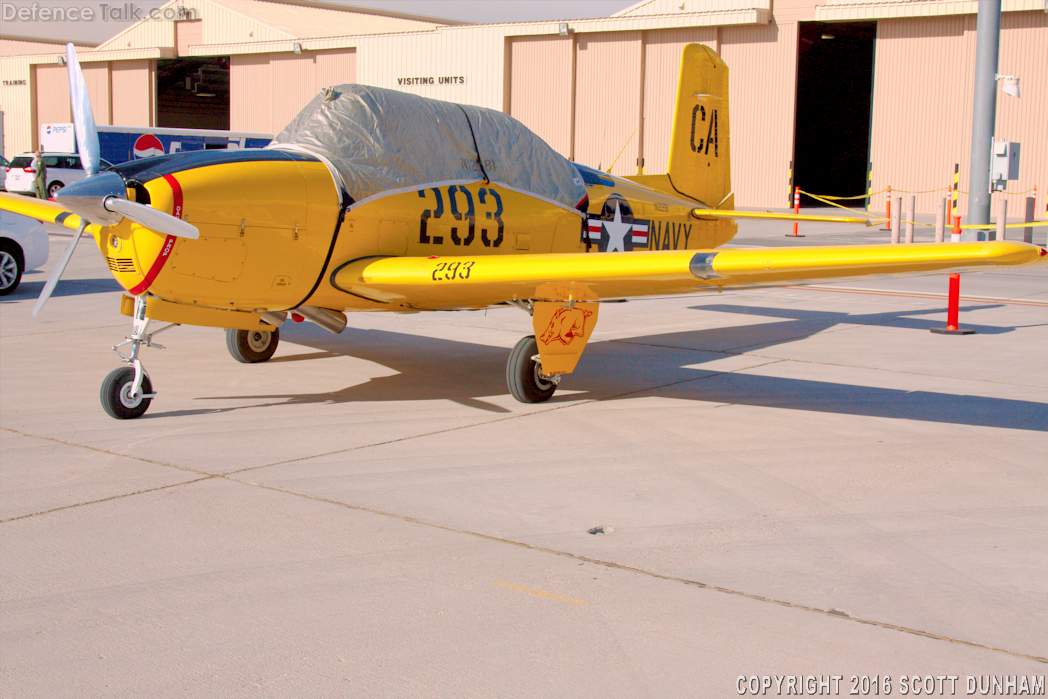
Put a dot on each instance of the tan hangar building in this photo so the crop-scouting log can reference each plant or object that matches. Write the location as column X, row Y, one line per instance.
column 828, row 87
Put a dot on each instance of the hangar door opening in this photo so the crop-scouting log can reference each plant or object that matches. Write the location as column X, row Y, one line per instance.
column 193, row 93
column 834, row 95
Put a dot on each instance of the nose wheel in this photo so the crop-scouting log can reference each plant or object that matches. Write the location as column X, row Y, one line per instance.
column 119, row 398
column 127, row 392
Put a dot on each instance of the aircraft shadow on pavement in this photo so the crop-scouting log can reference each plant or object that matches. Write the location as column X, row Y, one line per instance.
column 469, row 374
column 817, row 321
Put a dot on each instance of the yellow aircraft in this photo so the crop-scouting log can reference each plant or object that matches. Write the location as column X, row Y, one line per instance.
column 375, row 200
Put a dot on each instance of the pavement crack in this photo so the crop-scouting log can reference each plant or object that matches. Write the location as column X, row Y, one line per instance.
column 832, row 613
column 109, row 499
column 104, row 451
column 408, row 438
column 484, row 423
column 204, row 475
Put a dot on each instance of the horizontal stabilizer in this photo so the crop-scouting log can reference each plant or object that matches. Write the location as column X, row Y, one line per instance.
column 719, row 213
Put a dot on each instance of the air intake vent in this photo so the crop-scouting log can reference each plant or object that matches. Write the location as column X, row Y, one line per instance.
column 121, row 264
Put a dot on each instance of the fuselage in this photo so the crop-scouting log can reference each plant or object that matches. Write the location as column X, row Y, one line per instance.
column 275, row 226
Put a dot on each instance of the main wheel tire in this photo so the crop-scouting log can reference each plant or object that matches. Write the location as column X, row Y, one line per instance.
column 52, row 188
column 10, row 268
column 116, row 394
column 524, row 375
column 252, row 346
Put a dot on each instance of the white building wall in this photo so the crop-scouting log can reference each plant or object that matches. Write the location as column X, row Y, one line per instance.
column 541, row 87
column 222, row 26
column 762, row 71
column 336, row 67
column 662, row 50
column 922, row 121
column 476, row 54
column 131, row 82
column 250, row 93
column 608, row 100
column 18, row 103
column 589, row 102
column 268, row 90
column 52, row 94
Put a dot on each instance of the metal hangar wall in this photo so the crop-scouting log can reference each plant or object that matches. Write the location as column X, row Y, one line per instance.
column 592, row 88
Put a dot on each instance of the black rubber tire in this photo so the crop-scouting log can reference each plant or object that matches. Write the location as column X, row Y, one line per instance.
column 11, row 267
column 52, row 188
column 522, row 374
column 114, row 394
column 252, row 346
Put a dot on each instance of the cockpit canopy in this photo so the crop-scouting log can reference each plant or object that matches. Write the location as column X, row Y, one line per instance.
column 382, row 141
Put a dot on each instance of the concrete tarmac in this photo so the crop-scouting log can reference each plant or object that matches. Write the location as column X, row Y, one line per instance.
column 800, row 481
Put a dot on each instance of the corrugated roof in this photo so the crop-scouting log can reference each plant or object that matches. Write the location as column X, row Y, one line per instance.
column 674, row 7
column 302, row 21
column 837, row 10
column 24, row 46
column 272, row 19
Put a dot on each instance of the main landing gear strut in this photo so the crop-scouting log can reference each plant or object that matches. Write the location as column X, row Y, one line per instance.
column 562, row 330
column 127, row 392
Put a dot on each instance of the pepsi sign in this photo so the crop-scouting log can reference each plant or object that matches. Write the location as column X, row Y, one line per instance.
column 147, row 145
column 58, row 138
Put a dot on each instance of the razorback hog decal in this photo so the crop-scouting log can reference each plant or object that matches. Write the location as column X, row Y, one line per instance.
column 565, row 325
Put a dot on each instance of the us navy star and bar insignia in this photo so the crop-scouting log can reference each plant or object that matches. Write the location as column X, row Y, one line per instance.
column 615, row 229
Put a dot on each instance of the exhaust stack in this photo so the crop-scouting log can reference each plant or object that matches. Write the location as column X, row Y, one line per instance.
column 332, row 321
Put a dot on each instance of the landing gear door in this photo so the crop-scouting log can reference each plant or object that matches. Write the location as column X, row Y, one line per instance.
column 562, row 330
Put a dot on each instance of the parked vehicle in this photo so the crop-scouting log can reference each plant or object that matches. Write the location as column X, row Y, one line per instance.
column 23, row 245
column 3, row 164
column 119, row 144
column 62, row 169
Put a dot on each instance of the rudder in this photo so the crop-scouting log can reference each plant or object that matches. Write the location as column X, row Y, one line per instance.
column 700, row 152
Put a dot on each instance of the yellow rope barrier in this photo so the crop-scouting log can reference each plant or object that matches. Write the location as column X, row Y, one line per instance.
column 861, row 196
column 827, row 201
column 827, row 198
column 926, row 191
column 992, row 226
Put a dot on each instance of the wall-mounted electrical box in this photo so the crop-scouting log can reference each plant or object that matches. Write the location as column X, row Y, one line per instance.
column 1004, row 165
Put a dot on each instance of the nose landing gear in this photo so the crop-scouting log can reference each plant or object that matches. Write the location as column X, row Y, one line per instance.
column 127, row 392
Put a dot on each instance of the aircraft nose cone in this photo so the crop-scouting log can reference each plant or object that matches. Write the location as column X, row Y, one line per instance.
column 87, row 197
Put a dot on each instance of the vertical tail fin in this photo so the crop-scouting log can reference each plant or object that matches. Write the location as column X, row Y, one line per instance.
column 700, row 152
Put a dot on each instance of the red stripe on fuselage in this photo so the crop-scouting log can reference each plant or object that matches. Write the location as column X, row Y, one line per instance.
column 158, row 263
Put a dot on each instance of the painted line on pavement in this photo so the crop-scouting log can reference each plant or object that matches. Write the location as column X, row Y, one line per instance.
column 540, row 593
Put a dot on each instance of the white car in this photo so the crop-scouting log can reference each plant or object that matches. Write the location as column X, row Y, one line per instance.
column 62, row 169
column 23, row 245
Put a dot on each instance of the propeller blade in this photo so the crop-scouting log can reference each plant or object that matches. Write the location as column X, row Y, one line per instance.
column 52, row 281
column 159, row 221
column 83, row 117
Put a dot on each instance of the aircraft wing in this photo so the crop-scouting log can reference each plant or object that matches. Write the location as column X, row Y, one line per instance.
column 473, row 282
column 46, row 211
